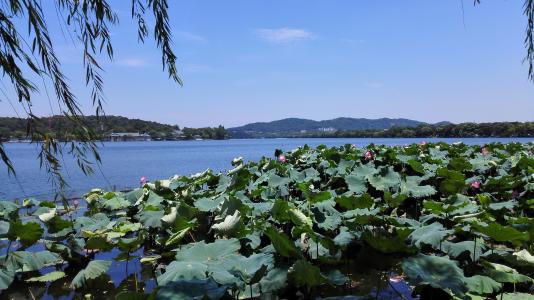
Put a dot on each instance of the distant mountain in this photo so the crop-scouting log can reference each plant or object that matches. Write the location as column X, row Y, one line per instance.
column 291, row 126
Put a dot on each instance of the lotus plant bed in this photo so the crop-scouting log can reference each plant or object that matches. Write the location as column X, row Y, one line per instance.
column 428, row 221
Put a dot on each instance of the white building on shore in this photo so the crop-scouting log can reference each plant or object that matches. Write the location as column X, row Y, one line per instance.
column 128, row 136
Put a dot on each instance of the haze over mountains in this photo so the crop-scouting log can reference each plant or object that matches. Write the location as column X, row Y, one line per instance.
column 296, row 125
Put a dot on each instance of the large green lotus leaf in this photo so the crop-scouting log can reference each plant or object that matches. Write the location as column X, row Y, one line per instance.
column 8, row 208
column 229, row 225
column 394, row 200
column 344, row 238
column 356, row 184
column 516, row 296
column 438, row 272
column 208, row 253
column 505, row 205
column 299, row 218
column 276, row 181
column 410, row 187
column 258, row 209
column 251, row 269
column 115, row 203
column 253, row 239
column 416, row 166
column 353, row 202
column 327, row 219
column 453, row 182
column 6, row 278
column 361, row 216
column 93, row 223
column 364, row 170
column 208, row 204
column 502, row 273
column 101, row 243
column 386, row 180
column 151, row 218
column 459, row 164
column 131, row 244
column 480, row 164
column 303, row 273
column 230, row 205
column 224, row 183
column 501, row 233
column 275, row 280
column 320, row 196
column 182, row 270
column 501, row 183
column 59, row 226
column 314, row 249
column 24, row 261
column 523, row 258
column 48, row 277
column 94, row 269
column 191, row 289
column 432, row 234
column 4, row 228
column 482, row 285
column 27, row 234
column 437, row 154
column 154, row 199
column 281, row 242
column 310, row 174
column 454, row 250
column 125, row 227
column 280, row 210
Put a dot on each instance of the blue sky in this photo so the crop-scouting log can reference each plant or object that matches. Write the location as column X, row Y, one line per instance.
column 247, row 60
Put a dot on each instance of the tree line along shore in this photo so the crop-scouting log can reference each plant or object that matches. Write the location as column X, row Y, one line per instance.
column 122, row 128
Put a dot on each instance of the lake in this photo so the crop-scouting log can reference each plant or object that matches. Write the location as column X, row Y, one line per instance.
column 124, row 163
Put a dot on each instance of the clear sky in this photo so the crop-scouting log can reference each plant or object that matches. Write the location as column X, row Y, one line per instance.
column 248, row 60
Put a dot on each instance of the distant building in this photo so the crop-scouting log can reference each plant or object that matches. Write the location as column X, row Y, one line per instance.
column 128, row 136
column 327, row 129
column 179, row 134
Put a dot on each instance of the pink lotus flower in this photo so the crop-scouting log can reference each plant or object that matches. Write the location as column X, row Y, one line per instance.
column 282, row 158
column 143, row 181
column 76, row 203
column 423, row 143
column 368, row 154
column 475, row 184
column 484, row 151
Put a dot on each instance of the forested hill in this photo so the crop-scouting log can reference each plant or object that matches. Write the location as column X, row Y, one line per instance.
column 60, row 127
column 293, row 126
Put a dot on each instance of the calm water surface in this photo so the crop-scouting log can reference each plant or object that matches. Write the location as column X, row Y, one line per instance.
column 123, row 163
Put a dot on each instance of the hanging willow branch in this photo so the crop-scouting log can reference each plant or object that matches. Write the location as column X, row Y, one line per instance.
column 27, row 53
column 528, row 11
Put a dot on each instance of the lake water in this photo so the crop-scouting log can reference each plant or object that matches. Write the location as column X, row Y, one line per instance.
column 123, row 163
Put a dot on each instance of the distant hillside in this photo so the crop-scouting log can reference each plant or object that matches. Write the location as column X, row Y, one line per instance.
column 61, row 128
column 293, row 126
